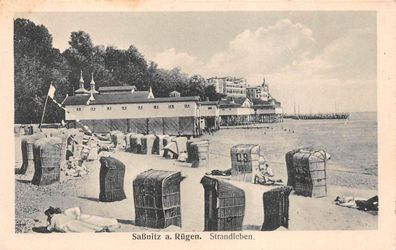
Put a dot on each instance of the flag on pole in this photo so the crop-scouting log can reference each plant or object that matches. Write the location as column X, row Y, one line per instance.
column 51, row 91
column 57, row 103
column 67, row 95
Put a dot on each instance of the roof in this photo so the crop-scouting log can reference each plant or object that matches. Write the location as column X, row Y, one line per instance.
column 209, row 102
column 81, row 91
column 174, row 91
column 155, row 177
column 117, row 88
column 227, row 103
column 260, row 102
column 140, row 94
column 136, row 94
column 239, row 100
column 231, row 78
column 232, row 102
column 123, row 98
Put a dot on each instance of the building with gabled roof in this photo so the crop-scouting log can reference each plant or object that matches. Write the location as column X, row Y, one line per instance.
column 209, row 114
column 268, row 111
column 174, row 94
column 235, row 111
column 116, row 108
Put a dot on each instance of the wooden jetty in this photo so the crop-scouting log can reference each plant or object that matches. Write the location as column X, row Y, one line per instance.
column 319, row 116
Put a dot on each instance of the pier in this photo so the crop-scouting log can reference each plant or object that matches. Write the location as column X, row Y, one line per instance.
column 319, row 116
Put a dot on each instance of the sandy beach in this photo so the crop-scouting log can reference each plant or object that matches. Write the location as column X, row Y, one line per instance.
column 305, row 213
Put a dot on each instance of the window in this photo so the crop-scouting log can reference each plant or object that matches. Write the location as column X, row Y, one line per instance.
column 124, row 108
column 78, row 109
column 108, row 108
column 156, row 107
column 93, row 108
column 209, row 107
column 186, row 105
column 140, row 107
column 171, row 106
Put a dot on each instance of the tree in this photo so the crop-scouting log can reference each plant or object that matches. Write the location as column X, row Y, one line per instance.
column 36, row 64
column 196, row 86
column 211, row 93
column 165, row 81
column 79, row 57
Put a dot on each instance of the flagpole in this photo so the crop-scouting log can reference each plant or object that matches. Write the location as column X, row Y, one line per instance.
column 42, row 116
column 45, row 105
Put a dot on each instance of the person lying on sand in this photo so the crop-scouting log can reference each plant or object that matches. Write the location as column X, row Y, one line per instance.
column 358, row 203
column 73, row 221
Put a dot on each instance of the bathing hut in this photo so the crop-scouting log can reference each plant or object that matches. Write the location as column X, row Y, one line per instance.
column 276, row 208
column 147, row 144
column 111, row 181
column 159, row 143
column 136, row 143
column 27, row 143
column 157, row 199
column 47, row 160
column 198, row 153
column 224, row 205
column 244, row 162
column 307, row 172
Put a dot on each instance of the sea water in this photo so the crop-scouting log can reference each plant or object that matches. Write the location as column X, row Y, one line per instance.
column 351, row 143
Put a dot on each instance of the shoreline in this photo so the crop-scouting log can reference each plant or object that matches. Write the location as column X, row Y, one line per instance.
column 345, row 177
column 31, row 201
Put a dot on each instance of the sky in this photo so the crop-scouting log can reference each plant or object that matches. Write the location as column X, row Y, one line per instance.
column 321, row 61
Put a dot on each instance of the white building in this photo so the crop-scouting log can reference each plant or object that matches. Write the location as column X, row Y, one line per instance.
column 174, row 94
column 268, row 111
column 230, row 86
column 258, row 92
column 210, row 114
column 235, row 111
column 136, row 111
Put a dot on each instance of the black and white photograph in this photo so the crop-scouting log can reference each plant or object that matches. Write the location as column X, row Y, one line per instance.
column 169, row 124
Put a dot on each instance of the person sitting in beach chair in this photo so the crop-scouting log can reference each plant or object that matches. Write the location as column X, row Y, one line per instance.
column 73, row 221
column 265, row 174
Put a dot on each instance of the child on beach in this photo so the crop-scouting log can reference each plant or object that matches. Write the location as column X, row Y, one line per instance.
column 263, row 176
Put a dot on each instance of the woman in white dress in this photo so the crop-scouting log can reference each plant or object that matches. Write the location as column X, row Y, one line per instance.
column 72, row 220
